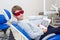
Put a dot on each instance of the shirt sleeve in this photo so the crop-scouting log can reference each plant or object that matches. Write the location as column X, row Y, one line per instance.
column 36, row 28
column 33, row 34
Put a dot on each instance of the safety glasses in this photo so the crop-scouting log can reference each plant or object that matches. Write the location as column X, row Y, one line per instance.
column 19, row 13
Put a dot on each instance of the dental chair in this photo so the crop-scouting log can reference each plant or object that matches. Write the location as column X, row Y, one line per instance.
column 3, row 25
column 21, row 31
column 4, row 18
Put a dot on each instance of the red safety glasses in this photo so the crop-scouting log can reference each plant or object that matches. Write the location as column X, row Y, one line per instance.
column 19, row 12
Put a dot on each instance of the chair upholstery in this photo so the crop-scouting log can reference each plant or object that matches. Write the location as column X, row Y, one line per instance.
column 3, row 21
column 55, row 37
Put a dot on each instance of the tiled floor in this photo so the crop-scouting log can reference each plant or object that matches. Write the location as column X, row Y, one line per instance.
column 7, row 36
column 3, row 36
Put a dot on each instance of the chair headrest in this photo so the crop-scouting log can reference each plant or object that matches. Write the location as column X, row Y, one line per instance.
column 6, row 16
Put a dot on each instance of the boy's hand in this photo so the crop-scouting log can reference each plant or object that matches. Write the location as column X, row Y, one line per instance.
column 44, row 30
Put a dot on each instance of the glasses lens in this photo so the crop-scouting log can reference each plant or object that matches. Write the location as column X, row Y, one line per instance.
column 19, row 12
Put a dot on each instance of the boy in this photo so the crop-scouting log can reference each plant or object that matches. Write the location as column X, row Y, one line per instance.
column 33, row 30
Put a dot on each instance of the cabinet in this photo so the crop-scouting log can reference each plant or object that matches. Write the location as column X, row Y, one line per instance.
column 56, row 21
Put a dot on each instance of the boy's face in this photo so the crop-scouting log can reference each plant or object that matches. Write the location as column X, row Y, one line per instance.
column 19, row 14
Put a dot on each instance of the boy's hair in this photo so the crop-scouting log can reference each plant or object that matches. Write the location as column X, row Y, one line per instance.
column 16, row 7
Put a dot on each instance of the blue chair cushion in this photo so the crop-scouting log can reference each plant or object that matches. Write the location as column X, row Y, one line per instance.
column 8, row 13
column 3, row 16
column 55, row 37
column 4, row 26
column 21, row 30
column 2, row 19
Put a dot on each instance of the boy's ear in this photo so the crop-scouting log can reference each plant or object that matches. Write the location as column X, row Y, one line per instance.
column 14, row 15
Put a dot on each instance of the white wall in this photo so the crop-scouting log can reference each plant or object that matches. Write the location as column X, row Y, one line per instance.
column 49, row 6
column 31, row 7
column 50, row 2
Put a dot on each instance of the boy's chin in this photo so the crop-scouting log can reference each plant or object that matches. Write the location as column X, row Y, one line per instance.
column 21, row 19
